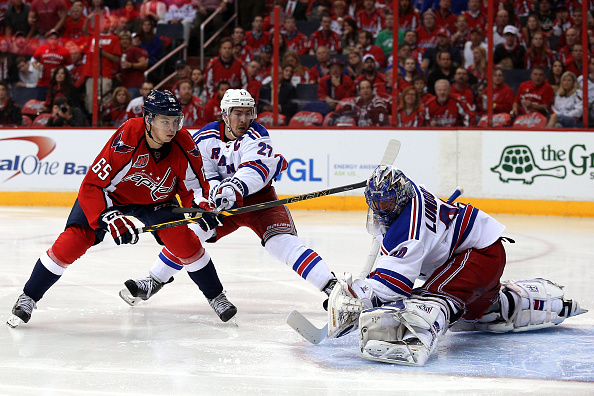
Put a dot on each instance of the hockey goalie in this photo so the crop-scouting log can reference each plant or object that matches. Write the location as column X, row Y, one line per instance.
column 457, row 251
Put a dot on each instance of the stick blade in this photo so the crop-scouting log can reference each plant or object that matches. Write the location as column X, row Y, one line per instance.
column 305, row 328
column 392, row 150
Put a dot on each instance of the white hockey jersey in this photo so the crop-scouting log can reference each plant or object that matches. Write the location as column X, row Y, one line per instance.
column 425, row 236
column 251, row 159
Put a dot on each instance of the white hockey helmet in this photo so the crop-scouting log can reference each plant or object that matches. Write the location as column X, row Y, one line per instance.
column 237, row 98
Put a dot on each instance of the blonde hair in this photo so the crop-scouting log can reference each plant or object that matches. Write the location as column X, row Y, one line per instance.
column 561, row 91
column 482, row 63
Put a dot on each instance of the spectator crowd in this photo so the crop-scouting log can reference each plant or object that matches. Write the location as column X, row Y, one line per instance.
column 335, row 67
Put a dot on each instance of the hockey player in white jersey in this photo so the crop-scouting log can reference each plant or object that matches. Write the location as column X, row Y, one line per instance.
column 457, row 251
column 240, row 163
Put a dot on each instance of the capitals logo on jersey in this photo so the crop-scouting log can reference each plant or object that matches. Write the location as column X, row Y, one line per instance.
column 119, row 146
column 156, row 187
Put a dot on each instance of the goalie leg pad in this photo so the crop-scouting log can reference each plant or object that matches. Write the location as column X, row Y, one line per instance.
column 537, row 303
column 345, row 303
column 405, row 332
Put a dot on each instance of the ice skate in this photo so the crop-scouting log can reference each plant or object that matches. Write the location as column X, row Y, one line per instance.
column 141, row 289
column 223, row 307
column 21, row 311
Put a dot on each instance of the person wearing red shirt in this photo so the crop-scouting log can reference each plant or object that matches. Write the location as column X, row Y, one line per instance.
column 445, row 111
column 367, row 108
column 192, row 106
column 295, row 41
column 444, row 18
column 427, row 33
column 320, row 69
column 369, row 18
column 73, row 28
column 474, row 16
column 324, row 37
column 378, row 80
column 225, row 68
column 503, row 95
column 365, row 40
column 47, row 15
column 108, row 61
column 564, row 53
column 408, row 17
column 257, row 38
column 574, row 63
column 410, row 112
column 212, row 109
column 335, row 86
column 50, row 56
column 463, row 93
column 133, row 63
column 539, row 54
column 253, row 68
column 534, row 95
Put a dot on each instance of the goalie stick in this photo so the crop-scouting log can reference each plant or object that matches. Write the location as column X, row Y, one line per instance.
column 315, row 335
column 390, row 155
column 296, row 320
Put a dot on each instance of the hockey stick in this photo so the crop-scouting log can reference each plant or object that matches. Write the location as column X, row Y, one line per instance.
column 251, row 208
column 315, row 335
column 296, row 320
column 390, row 154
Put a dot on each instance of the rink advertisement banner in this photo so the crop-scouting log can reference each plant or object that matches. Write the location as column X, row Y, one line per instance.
column 57, row 159
column 529, row 165
column 47, row 159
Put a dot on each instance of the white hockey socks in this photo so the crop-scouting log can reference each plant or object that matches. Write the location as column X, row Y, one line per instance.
column 289, row 249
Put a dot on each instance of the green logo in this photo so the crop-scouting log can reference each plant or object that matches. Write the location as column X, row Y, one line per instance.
column 517, row 163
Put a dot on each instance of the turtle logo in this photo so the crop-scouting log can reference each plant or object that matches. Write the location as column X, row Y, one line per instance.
column 517, row 163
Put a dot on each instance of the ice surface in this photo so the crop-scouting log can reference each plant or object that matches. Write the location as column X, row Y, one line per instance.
column 84, row 340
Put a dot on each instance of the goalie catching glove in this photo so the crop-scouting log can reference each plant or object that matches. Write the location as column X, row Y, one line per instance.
column 121, row 228
column 228, row 194
column 345, row 303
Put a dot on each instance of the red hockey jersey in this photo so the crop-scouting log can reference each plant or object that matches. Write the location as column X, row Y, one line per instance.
column 128, row 172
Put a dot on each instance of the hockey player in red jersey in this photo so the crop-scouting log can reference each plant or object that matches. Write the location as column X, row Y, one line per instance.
column 240, row 164
column 138, row 173
column 456, row 250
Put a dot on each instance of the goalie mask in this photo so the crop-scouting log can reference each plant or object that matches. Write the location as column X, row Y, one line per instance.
column 388, row 191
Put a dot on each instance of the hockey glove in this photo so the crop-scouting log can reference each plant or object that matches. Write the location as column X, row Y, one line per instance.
column 228, row 194
column 209, row 219
column 121, row 228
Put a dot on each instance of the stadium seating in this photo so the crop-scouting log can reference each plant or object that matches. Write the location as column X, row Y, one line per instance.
column 308, row 27
column 265, row 119
column 41, row 120
column 174, row 31
column 306, row 119
column 318, row 107
column 515, row 77
column 22, row 95
column 307, row 92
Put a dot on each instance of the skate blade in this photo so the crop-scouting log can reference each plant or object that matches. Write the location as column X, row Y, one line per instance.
column 391, row 353
column 14, row 322
column 128, row 298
